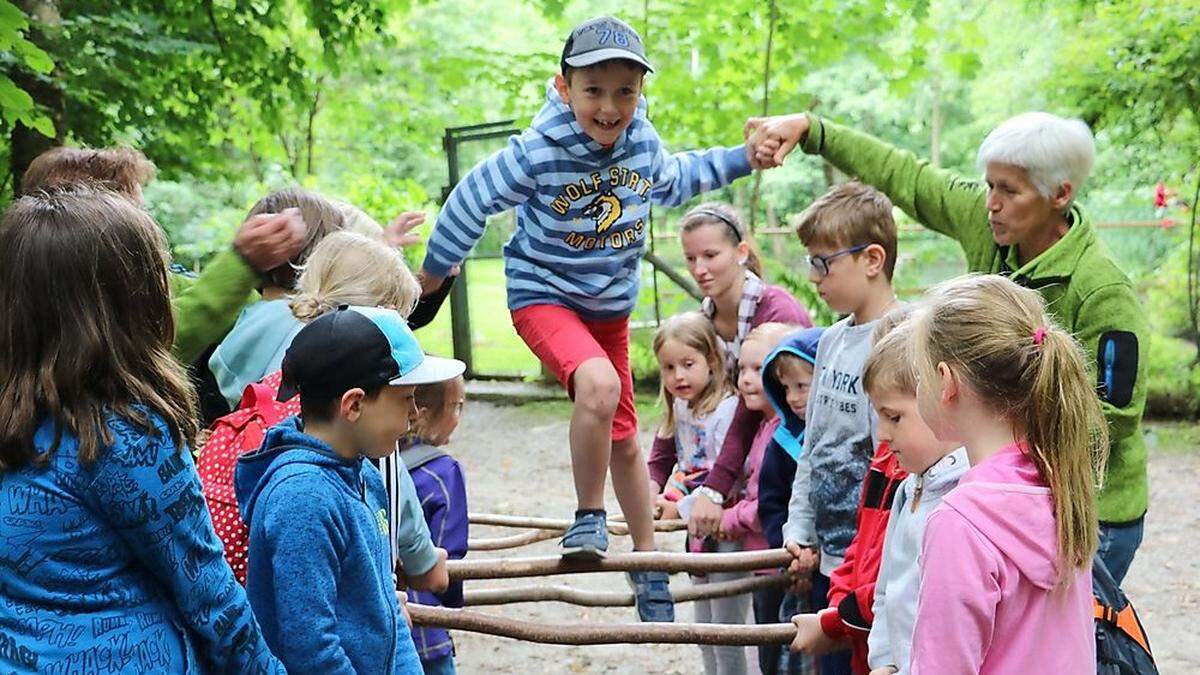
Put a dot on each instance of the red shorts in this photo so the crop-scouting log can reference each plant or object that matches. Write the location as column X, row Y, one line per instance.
column 563, row 341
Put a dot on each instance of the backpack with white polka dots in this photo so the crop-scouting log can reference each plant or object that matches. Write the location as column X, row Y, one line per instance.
column 232, row 436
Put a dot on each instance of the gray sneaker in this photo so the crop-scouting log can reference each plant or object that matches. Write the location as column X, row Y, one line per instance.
column 587, row 538
column 652, row 591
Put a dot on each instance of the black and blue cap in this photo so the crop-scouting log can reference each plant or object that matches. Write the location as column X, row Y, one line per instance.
column 602, row 39
column 363, row 347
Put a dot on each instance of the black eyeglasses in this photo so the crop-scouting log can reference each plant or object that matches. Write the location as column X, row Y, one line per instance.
column 820, row 263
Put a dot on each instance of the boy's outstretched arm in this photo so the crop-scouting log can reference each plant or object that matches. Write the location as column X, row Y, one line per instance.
column 936, row 198
column 496, row 184
column 679, row 177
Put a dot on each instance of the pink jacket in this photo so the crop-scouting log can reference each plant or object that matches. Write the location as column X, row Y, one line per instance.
column 741, row 519
column 987, row 601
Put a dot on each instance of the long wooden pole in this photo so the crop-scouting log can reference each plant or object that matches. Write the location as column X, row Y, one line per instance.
column 604, row 634
column 511, row 541
column 695, row 563
column 561, row 524
column 576, row 596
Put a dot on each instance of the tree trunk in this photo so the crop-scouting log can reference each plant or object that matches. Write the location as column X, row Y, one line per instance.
column 25, row 144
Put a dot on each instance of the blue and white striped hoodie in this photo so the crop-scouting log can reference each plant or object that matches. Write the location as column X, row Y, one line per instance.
column 581, row 208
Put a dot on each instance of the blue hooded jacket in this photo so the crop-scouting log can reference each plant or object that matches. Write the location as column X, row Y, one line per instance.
column 254, row 347
column 581, row 208
column 113, row 566
column 779, row 461
column 319, row 570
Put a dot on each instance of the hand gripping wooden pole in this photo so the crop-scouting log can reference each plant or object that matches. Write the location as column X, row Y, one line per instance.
column 672, row 563
column 603, row 634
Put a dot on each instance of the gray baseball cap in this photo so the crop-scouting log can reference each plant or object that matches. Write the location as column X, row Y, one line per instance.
column 602, row 39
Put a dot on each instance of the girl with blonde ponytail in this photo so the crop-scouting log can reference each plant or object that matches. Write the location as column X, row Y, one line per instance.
column 1006, row 560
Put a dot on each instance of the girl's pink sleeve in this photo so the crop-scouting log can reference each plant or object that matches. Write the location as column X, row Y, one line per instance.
column 741, row 519
column 960, row 588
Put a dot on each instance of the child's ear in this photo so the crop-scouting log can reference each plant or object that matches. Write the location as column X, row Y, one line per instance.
column 876, row 259
column 350, row 405
column 948, row 381
column 560, row 84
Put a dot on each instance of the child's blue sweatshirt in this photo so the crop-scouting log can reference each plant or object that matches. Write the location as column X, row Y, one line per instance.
column 581, row 208
column 114, row 566
column 779, row 462
column 319, row 570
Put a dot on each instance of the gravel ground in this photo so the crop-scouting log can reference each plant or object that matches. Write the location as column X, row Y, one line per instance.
column 516, row 461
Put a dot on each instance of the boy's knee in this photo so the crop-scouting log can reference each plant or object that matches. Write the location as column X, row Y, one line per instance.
column 597, row 387
column 627, row 449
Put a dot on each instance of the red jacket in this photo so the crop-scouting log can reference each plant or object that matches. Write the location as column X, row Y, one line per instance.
column 852, row 584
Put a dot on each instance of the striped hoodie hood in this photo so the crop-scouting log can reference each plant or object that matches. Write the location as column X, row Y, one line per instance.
column 556, row 122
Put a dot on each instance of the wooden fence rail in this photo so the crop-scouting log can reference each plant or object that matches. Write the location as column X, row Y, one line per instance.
column 603, row 634
column 672, row 563
column 584, row 598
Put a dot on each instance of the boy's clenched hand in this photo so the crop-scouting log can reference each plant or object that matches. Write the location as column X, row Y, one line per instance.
column 804, row 561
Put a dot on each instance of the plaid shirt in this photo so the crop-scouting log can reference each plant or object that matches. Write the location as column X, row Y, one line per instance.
column 752, row 292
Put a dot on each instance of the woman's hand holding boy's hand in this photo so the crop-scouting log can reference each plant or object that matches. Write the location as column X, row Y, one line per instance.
column 885, row 670
column 810, row 639
column 429, row 282
column 804, row 561
column 771, row 139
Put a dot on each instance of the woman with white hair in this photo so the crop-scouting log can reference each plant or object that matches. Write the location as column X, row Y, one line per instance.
column 1022, row 221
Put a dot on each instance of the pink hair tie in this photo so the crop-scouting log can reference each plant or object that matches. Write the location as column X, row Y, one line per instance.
column 1039, row 335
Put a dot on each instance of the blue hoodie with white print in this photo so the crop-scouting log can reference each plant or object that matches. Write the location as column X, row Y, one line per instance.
column 581, row 208
column 783, row 455
column 113, row 566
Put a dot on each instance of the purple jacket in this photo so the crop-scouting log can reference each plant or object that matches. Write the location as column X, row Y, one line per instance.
column 777, row 305
column 443, row 494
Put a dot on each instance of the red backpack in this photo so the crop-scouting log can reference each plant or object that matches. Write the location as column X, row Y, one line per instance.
column 234, row 435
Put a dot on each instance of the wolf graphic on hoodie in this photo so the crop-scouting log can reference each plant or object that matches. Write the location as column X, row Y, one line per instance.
column 582, row 209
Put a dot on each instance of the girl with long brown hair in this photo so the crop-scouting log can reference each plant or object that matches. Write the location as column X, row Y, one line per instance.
column 1006, row 559
column 110, row 560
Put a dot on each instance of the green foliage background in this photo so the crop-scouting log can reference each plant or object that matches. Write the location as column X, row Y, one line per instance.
column 231, row 98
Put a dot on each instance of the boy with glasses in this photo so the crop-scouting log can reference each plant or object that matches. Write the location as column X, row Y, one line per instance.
column 851, row 240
